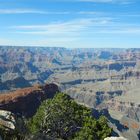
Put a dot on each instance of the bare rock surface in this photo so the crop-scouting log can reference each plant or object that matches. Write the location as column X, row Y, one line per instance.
column 26, row 101
column 7, row 120
column 115, row 138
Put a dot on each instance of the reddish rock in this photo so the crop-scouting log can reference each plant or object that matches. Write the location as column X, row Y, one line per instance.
column 26, row 101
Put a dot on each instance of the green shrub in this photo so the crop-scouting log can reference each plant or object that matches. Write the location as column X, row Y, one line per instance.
column 61, row 117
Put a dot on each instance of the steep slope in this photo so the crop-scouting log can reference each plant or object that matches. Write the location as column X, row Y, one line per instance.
column 26, row 101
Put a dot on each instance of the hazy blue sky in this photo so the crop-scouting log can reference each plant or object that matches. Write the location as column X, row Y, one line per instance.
column 70, row 23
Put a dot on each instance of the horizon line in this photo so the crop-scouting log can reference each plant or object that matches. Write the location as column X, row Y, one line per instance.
column 41, row 46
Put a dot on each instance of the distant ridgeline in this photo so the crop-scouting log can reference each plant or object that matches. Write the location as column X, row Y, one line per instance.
column 25, row 66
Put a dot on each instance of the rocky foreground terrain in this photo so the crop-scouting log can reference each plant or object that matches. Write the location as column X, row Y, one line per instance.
column 26, row 101
column 104, row 79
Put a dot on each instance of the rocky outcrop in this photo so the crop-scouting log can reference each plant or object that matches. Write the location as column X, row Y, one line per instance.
column 26, row 101
column 11, row 126
column 115, row 138
column 7, row 120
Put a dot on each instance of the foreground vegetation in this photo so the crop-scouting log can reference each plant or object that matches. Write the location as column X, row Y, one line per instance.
column 61, row 118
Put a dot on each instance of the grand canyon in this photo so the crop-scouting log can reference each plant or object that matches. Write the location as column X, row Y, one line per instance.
column 105, row 80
